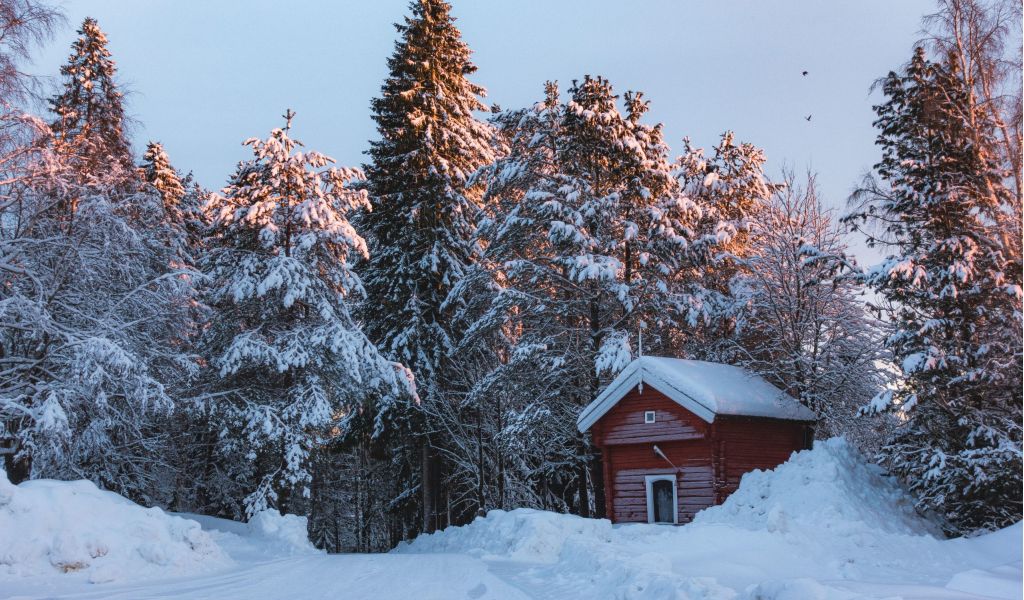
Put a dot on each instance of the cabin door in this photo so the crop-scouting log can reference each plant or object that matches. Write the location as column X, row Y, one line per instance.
column 662, row 500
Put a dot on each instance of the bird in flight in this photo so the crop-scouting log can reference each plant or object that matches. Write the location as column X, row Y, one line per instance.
column 804, row 73
column 808, row 117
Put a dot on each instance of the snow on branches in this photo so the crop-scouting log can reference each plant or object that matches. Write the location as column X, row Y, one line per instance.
column 290, row 359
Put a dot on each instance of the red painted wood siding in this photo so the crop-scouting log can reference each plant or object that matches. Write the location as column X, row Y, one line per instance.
column 711, row 458
column 746, row 444
column 624, row 423
column 631, row 463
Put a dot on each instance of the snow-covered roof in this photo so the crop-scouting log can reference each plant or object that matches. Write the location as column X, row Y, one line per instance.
column 704, row 388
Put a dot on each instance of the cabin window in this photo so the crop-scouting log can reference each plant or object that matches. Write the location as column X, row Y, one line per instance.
column 662, row 499
column 648, row 416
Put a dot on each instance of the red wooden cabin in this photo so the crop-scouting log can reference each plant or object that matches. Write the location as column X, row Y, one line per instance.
column 676, row 435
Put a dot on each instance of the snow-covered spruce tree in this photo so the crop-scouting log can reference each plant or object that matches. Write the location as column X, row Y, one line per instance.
column 956, row 295
column 90, row 121
column 803, row 322
column 157, row 171
column 588, row 227
column 289, row 359
column 182, row 200
column 732, row 191
column 422, row 220
column 182, row 227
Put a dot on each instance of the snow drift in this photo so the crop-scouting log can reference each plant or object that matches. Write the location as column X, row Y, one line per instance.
column 51, row 526
column 521, row 534
column 289, row 531
column 831, row 490
column 826, row 524
column 268, row 533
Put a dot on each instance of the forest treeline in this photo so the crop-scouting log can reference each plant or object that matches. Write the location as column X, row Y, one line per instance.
column 402, row 346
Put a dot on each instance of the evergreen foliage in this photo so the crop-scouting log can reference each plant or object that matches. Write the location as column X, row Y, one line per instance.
column 956, row 294
column 89, row 124
column 422, row 217
column 289, row 359
column 586, row 227
column 403, row 351
column 158, row 172
column 182, row 199
column 95, row 312
column 732, row 191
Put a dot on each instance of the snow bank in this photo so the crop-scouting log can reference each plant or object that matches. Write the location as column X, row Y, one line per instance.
column 285, row 532
column 798, row 589
column 826, row 525
column 521, row 534
column 268, row 535
column 74, row 527
column 830, row 490
column 559, row 548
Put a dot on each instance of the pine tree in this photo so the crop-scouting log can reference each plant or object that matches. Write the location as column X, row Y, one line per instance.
column 90, row 119
column 184, row 224
column 732, row 190
column 586, row 228
column 157, row 171
column 288, row 355
column 423, row 209
column 956, row 297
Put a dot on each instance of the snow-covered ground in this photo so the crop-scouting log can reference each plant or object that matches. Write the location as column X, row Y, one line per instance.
column 824, row 526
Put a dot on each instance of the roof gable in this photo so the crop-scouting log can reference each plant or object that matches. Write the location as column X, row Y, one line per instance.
column 706, row 389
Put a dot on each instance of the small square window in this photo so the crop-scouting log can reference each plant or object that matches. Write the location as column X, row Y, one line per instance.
column 648, row 416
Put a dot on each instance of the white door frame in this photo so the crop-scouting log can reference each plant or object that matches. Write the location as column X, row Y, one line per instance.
column 649, row 485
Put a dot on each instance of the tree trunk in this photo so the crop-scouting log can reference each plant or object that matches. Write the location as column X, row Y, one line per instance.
column 584, row 493
column 19, row 468
column 481, row 501
column 597, row 476
column 428, row 489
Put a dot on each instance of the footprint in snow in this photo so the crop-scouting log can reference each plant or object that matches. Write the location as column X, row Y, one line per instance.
column 477, row 592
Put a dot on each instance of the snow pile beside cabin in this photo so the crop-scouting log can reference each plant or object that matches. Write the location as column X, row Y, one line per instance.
column 829, row 491
column 55, row 527
column 825, row 524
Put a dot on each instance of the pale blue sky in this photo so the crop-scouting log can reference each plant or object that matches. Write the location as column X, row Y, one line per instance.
column 206, row 74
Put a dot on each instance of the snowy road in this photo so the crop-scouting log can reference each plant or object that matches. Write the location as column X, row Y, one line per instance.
column 314, row 577
column 435, row 577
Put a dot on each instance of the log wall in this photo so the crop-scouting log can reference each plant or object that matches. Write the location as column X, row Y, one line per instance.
column 708, row 459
